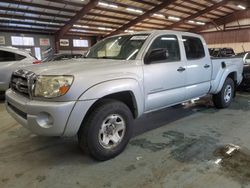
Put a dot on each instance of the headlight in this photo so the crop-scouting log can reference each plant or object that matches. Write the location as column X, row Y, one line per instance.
column 52, row 86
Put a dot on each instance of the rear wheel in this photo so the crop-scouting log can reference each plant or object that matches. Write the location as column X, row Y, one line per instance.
column 107, row 130
column 224, row 98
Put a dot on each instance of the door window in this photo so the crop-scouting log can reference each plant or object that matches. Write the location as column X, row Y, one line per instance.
column 170, row 43
column 193, row 47
column 10, row 56
column 248, row 56
column 247, row 60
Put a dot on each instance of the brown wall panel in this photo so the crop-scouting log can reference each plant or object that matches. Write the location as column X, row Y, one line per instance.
column 222, row 37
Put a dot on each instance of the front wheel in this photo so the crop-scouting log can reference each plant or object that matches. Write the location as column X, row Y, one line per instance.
column 107, row 130
column 224, row 98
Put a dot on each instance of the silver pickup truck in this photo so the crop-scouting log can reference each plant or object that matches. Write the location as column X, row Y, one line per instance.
column 121, row 78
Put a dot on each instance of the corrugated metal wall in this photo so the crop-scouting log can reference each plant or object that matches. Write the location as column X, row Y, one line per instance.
column 234, row 36
column 239, row 40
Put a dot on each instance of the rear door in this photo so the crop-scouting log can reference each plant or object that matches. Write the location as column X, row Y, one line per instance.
column 199, row 67
column 164, row 81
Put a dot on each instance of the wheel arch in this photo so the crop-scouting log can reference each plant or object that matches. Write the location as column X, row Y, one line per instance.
column 128, row 91
column 228, row 74
column 127, row 97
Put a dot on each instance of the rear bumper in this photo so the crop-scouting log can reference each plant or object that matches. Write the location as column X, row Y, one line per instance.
column 47, row 118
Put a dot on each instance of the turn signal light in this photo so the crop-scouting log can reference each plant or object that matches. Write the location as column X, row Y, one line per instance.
column 64, row 89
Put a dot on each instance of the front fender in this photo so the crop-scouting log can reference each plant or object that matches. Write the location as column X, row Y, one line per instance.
column 103, row 89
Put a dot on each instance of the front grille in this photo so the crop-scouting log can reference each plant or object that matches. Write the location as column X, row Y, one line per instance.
column 22, row 81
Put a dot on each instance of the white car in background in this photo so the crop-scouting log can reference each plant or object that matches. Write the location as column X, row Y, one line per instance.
column 10, row 60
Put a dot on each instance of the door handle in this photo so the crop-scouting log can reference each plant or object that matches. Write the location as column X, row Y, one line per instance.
column 206, row 66
column 181, row 69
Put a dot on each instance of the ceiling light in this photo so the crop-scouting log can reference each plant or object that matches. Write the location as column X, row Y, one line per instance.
column 242, row 7
column 79, row 30
column 200, row 23
column 174, row 18
column 81, row 26
column 134, row 10
column 159, row 15
column 191, row 21
column 104, row 28
column 107, row 5
column 129, row 31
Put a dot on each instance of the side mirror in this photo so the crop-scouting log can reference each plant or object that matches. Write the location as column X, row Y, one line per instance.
column 159, row 54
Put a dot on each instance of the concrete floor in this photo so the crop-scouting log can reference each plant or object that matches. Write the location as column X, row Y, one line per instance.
column 188, row 149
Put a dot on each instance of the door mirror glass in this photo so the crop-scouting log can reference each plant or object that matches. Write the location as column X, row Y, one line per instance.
column 156, row 55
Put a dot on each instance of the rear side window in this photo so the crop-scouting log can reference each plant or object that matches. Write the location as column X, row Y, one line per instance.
column 248, row 56
column 10, row 56
column 169, row 42
column 193, row 47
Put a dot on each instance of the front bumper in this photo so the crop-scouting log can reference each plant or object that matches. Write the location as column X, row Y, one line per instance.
column 47, row 118
column 42, row 118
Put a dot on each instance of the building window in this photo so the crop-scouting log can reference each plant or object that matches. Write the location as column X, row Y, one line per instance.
column 80, row 43
column 22, row 41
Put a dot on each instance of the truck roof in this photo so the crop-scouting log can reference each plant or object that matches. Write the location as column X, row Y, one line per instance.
column 159, row 32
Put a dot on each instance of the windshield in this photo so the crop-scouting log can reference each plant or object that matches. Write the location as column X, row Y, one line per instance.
column 121, row 47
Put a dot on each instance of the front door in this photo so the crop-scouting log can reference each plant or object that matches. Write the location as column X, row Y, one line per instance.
column 164, row 81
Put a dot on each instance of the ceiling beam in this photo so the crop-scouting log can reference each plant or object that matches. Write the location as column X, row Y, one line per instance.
column 99, row 22
column 11, row 16
column 197, row 3
column 108, row 16
column 82, row 34
column 37, row 5
column 22, row 10
column 66, row 2
column 143, row 17
column 239, row 15
column 85, row 10
column 198, row 14
column 22, row 31
column 144, row 2
column 45, row 30
column 30, row 24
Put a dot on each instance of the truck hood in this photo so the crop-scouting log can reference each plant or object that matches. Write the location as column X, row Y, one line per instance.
column 74, row 67
column 89, row 72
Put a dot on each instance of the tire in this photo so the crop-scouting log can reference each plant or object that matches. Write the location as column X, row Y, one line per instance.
column 106, row 118
column 224, row 98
